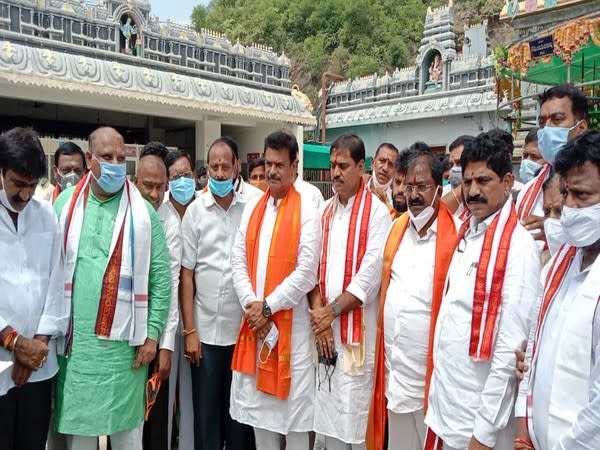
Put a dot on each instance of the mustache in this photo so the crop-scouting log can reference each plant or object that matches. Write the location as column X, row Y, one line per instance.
column 273, row 177
column 337, row 179
column 476, row 199
column 416, row 202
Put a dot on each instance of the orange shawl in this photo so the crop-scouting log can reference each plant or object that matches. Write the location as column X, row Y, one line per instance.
column 444, row 248
column 274, row 376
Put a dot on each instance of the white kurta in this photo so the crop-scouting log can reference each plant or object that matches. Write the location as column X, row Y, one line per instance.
column 566, row 373
column 475, row 398
column 248, row 405
column 169, row 219
column 32, row 283
column 310, row 192
column 407, row 319
column 343, row 412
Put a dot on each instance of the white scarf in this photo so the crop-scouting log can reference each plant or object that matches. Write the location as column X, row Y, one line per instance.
column 130, row 320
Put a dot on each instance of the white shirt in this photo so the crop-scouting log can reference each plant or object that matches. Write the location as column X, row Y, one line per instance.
column 343, row 412
column 208, row 234
column 475, row 398
column 248, row 405
column 407, row 319
column 32, row 283
column 246, row 190
column 584, row 432
column 169, row 219
column 310, row 191
column 538, row 205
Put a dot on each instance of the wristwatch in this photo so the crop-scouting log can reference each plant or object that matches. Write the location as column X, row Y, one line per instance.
column 266, row 310
column 337, row 309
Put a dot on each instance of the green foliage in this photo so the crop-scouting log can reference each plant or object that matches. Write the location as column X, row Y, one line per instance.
column 349, row 37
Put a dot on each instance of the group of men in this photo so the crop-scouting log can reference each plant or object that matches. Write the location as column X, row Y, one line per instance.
column 401, row 313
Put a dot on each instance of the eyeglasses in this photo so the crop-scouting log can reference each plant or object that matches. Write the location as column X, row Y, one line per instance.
column 182, row 175
column 152, row 388
column 421, row 188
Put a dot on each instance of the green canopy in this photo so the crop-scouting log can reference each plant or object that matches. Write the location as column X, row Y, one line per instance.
column 317, row 157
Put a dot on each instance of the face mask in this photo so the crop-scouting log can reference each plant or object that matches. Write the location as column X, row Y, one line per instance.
column 455, row 176
column 183, row 189
column 445, row 183
column 555, row 235
column 67, row 180
column 43, row 181
column 270, row 342
column 112, row 176
column 551, row 140
column 220, row 188
column 424, row 216
column 581, row 225
column 4, row 198
column 378, row 185
column 528, row 170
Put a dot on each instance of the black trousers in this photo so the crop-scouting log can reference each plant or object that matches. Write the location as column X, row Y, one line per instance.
column 156, row 429
column 25, row 416
column 211, row 385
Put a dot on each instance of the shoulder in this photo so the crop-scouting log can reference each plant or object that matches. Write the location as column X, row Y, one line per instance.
column 251, row 192
column 63, row 199
column 378, row 208
column 42, row 215
column 523, row 244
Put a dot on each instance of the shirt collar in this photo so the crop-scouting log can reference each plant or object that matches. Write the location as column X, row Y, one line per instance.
column 209, row 199
column 476, row 227
column 431, row 231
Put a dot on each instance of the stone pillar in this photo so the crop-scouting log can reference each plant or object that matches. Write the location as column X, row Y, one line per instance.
column 206, row 132
column 298, row 131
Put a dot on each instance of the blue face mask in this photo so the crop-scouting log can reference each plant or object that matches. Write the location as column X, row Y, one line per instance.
column 528, row 170
column 112, row 176
column 551, row 140
column 220, row 188
column 183, row 189
column 445, row 183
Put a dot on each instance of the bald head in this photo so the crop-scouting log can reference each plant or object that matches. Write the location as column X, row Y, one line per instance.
column 151, row 179
column 104, row 136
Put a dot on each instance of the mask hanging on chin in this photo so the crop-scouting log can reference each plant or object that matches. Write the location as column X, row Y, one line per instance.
column 424, row 216
column 377, row 184
column 4, row 198
column 555, row 235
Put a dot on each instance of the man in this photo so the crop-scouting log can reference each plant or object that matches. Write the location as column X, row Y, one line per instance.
column 490, row 287
column 239, row 185
column 44, row 189
column 182, row 182
column 383, row 172
column 531, row 161
column 560, row 393
column 348, row 286
column 563, row 116
column 256, row 173
column 398, row 185
column 409, row 310
column 118, row 279
column 274, row 262
column 211, row 311
column 201, row 178
column 453, row 199
column 151, row 181
column 69, row 167
column 33, row 310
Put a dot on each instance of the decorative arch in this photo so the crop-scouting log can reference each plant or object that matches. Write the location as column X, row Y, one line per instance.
column 126, row 17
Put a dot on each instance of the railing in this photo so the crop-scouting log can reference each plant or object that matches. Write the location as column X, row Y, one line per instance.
column 326, row 188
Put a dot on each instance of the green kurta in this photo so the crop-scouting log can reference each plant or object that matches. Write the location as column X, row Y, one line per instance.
column 97, row 391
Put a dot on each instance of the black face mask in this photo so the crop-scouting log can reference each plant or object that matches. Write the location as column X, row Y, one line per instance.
column 329, row 364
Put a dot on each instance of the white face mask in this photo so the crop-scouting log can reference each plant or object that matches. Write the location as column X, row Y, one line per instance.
column 4, row 198
column 270, row 342
column 378, row 185
column 555, row 235
column 424, row 216
column 581, row 225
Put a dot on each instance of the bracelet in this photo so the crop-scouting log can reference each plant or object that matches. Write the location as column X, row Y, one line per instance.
column 188, row 332
column 14, row 343
column 9, row 338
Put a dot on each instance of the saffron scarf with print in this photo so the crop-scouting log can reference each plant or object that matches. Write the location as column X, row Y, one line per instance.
column 274, row 375
column 444, row 247
column 123, row 306
column 351, row 323
column 489, row 280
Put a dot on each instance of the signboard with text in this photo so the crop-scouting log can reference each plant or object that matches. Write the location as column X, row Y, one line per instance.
column 541, row 47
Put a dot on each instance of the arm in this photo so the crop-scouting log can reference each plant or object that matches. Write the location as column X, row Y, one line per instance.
column 173, row 238
column 520, row 292
column 189, row 232
column 241, row 279
column 584, row 433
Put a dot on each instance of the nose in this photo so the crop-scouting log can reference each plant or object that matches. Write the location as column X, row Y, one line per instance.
column 474, row 189
column 26, row 194
column 335, row 171
column 414, row 194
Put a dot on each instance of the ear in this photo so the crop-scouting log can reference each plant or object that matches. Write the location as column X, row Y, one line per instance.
column 88, row 159
column 507, row 182
column 361, row 165
column 583, row 125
